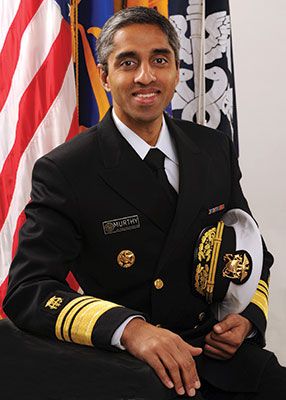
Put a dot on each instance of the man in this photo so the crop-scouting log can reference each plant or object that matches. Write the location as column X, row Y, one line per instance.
column 102, row 209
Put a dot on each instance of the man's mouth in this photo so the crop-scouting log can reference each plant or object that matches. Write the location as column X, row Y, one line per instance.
column 146, row 95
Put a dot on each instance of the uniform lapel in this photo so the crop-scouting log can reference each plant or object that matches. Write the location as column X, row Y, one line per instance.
column 193, row 164
column 125, row 172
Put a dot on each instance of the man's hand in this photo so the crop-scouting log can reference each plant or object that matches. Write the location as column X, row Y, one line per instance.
column 169, row 355
column 227, row 336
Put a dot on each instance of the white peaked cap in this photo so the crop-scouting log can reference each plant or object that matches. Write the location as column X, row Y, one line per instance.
column 248, row 238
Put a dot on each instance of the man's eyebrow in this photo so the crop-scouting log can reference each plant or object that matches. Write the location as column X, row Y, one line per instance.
column 162, row 50
column 125, row 54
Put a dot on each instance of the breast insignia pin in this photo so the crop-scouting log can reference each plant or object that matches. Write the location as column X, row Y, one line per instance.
column 126, row 258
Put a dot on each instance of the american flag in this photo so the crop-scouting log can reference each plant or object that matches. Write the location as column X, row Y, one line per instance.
column 37, row 89
column 37, row 104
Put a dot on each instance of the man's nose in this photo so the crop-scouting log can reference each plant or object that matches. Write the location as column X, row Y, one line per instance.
column 145, row 74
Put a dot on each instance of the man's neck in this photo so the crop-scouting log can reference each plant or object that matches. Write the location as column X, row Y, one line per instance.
column 148, row 131
column 149, row 134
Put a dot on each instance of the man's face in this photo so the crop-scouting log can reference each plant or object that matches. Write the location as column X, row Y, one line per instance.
column 142, row 75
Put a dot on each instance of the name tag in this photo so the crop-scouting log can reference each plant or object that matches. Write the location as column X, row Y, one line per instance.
column 121, row 224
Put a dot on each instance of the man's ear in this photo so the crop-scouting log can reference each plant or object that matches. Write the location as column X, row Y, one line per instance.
column 103, row 74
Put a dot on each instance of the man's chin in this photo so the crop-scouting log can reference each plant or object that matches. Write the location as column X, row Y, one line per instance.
column 147, row 116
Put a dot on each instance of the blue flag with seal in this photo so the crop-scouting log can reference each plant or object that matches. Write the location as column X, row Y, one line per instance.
column 205, row 93
column 88, row 19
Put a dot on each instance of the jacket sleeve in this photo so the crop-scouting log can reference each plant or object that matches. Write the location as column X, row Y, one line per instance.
column 39, row 299
column 257, row 310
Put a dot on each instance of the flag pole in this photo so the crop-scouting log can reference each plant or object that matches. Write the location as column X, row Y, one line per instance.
column 202, row 81
column 74, row 32
column 197, row 24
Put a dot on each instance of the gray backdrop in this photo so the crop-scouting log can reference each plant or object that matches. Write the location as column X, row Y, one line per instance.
column 259, row 38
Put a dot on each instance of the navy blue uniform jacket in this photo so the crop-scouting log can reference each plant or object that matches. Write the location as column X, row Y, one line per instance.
column 98, row 177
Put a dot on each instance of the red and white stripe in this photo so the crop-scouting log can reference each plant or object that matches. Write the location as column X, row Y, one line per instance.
column 37, row 105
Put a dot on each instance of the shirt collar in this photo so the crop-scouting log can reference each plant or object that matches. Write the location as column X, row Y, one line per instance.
column 164, row 142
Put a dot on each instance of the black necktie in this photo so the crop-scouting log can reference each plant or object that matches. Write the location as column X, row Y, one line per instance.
column 155, row 159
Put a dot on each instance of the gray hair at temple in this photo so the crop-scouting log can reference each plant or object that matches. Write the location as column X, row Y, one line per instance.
column 131, row 16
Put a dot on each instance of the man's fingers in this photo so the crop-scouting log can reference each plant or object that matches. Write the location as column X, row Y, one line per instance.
column 190, row 376
column 195, row 351
column 224, row 325
column 167, row 353
column 229, row 322
column 225, row 348
column 188, row 367
column 216, row 353
column 160, row 370
column 174, row 372
column 227, row 338
column 181, row 369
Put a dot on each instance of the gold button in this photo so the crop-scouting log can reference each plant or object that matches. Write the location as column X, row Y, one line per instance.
column 126, row 258
column 158, row 283
column 158, row 326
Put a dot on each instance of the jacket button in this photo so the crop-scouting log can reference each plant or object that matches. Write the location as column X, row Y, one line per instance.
column 158, row 283
column 202, row 316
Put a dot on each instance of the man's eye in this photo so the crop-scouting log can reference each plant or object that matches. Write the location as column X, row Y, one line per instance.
column 160, row 60
column 127, row 63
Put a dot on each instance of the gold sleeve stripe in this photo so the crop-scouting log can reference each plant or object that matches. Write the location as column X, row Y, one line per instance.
column 85, row 320
column 76, row 321
column 260, row 296
column 67, row 321
column 261, row 301
column 65, row 311
column 262, row 283
column 262, row 290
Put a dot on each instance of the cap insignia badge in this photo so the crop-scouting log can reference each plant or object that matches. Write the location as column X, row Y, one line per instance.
column 238, row 267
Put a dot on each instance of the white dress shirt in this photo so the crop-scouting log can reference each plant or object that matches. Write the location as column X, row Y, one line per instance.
column 166, row 145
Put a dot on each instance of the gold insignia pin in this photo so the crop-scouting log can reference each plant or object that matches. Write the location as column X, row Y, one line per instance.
column 126, row 258
column 238, row 267
column 54, row 303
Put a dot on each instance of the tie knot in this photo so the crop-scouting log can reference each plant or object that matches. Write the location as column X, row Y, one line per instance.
column 155, row 159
